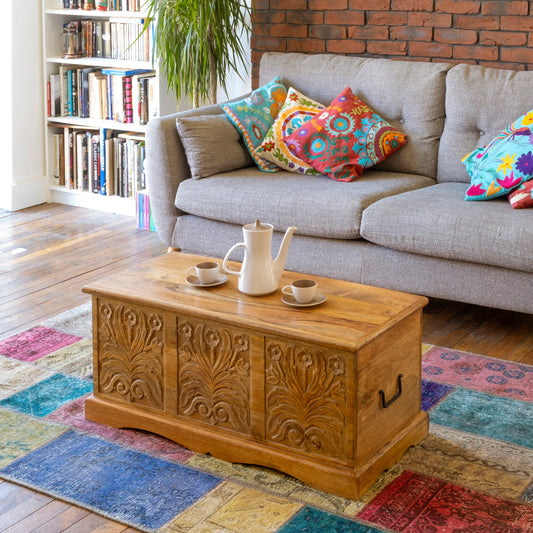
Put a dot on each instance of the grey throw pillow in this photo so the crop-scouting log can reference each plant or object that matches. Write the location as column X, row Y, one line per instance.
column 212, row 144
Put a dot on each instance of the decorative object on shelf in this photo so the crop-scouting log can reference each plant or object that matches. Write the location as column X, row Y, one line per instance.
column 71, row 41
column 259, row 274
column 199, row 43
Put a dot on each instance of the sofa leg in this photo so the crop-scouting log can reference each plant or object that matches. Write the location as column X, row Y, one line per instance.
column 171, row 249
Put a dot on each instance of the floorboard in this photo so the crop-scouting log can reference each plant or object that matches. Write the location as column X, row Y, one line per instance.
column 49, row 252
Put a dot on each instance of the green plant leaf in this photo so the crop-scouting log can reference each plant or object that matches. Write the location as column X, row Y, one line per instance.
column 198, row 42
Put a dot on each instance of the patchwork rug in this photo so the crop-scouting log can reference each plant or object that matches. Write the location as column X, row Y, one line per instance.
column 473, row 473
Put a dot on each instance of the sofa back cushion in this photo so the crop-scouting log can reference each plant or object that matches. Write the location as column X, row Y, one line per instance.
column 480, row 103
column 407, row 94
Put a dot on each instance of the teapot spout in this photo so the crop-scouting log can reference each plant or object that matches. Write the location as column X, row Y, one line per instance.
column 279, row 263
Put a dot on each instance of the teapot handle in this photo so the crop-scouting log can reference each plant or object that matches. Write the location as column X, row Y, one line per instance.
column 227, row 269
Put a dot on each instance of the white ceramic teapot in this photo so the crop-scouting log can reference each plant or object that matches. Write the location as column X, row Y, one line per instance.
column 259, row 274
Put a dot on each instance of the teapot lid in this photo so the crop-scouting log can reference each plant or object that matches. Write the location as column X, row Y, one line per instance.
column 257, row 226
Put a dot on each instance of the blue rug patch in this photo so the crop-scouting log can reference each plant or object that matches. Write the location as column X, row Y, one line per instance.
column 310, row 520
column 48, row 395
column 130, row 486
column 490, row 416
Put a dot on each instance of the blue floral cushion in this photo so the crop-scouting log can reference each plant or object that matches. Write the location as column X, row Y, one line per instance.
column 504, row 163
column 253, row 117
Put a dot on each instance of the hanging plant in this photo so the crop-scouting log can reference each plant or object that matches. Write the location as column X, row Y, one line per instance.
column 198, row 42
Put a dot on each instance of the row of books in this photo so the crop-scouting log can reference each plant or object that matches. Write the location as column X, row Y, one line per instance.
column 128, row 96
column 101, row 5
column 111, row 39
column 101, row 161
column 143, row 211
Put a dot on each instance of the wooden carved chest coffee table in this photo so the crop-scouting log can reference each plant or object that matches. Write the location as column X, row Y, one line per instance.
column 328, row 394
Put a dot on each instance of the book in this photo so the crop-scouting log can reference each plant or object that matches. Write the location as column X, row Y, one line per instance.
column 105, row 135
column 95, row 162
column 106, row 39
column 55, row 96
column 58, row 152
column 109, row 167
column 126, row 71
column 127, row 96
column 63, row 89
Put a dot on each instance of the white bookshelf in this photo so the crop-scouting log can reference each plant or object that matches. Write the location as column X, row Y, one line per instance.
column 54, row 18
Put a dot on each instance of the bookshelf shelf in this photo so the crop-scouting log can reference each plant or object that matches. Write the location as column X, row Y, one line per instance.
column 97, row 106
column 95, row 124
column 101, row 62
column 94, row 13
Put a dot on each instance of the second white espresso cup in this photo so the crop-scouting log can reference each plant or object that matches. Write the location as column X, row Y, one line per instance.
column 303, row 290
column 207, row 272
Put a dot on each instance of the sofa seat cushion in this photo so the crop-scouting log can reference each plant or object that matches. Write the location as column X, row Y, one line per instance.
column 436, row 221
column 316, row 205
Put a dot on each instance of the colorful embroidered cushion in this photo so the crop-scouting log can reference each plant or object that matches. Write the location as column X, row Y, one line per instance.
column 345, row 138
column 522, row 196
column 253, row 117
column 296, row 111
column 504, row 163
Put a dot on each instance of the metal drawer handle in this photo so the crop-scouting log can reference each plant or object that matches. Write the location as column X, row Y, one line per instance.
column 386, row 404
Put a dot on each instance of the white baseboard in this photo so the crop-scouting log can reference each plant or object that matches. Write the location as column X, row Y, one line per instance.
column 24, row 194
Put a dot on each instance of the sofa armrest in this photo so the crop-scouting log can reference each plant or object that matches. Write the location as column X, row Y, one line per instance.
column 166, row 167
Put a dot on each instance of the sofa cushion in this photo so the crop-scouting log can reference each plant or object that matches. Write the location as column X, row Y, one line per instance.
column 407, row 94
column 504, row 163
column 345, row 139
column 436, row 221
column 295, row 112
column 206, row 155
column 316, row 205
column 480, row 103
column 254, row 115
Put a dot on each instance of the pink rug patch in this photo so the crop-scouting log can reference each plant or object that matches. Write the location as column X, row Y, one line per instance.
column 73, row 414
column 35, row 343
column 478, row 372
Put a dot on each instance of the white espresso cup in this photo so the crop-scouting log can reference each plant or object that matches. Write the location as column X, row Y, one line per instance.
column 207, row 272
column 303, row 290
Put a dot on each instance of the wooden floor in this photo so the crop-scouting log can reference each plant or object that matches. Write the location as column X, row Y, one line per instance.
column 49, row 252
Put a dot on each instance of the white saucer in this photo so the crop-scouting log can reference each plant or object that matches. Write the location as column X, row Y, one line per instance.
column 290, row 300
column 195, row 281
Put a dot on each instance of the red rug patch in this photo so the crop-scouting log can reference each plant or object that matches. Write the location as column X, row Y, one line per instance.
column 414, row 503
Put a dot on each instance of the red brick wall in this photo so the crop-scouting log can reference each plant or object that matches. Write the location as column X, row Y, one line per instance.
column 487, row 32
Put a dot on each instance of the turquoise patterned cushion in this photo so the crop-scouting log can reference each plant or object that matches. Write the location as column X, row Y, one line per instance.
column 504, row 163
column 253, row 117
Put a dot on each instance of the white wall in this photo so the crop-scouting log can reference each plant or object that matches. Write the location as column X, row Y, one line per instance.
column 22, row 181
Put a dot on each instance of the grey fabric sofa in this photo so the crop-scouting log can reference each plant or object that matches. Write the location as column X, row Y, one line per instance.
column 404, row 225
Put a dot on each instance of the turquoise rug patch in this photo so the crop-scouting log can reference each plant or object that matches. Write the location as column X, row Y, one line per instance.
column 48, row 395
column 310, row 520
column 486, row 415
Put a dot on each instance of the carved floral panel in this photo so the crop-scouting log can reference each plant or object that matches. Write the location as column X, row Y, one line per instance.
column 130, row 355
column 214, row 374
column 306, row 399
